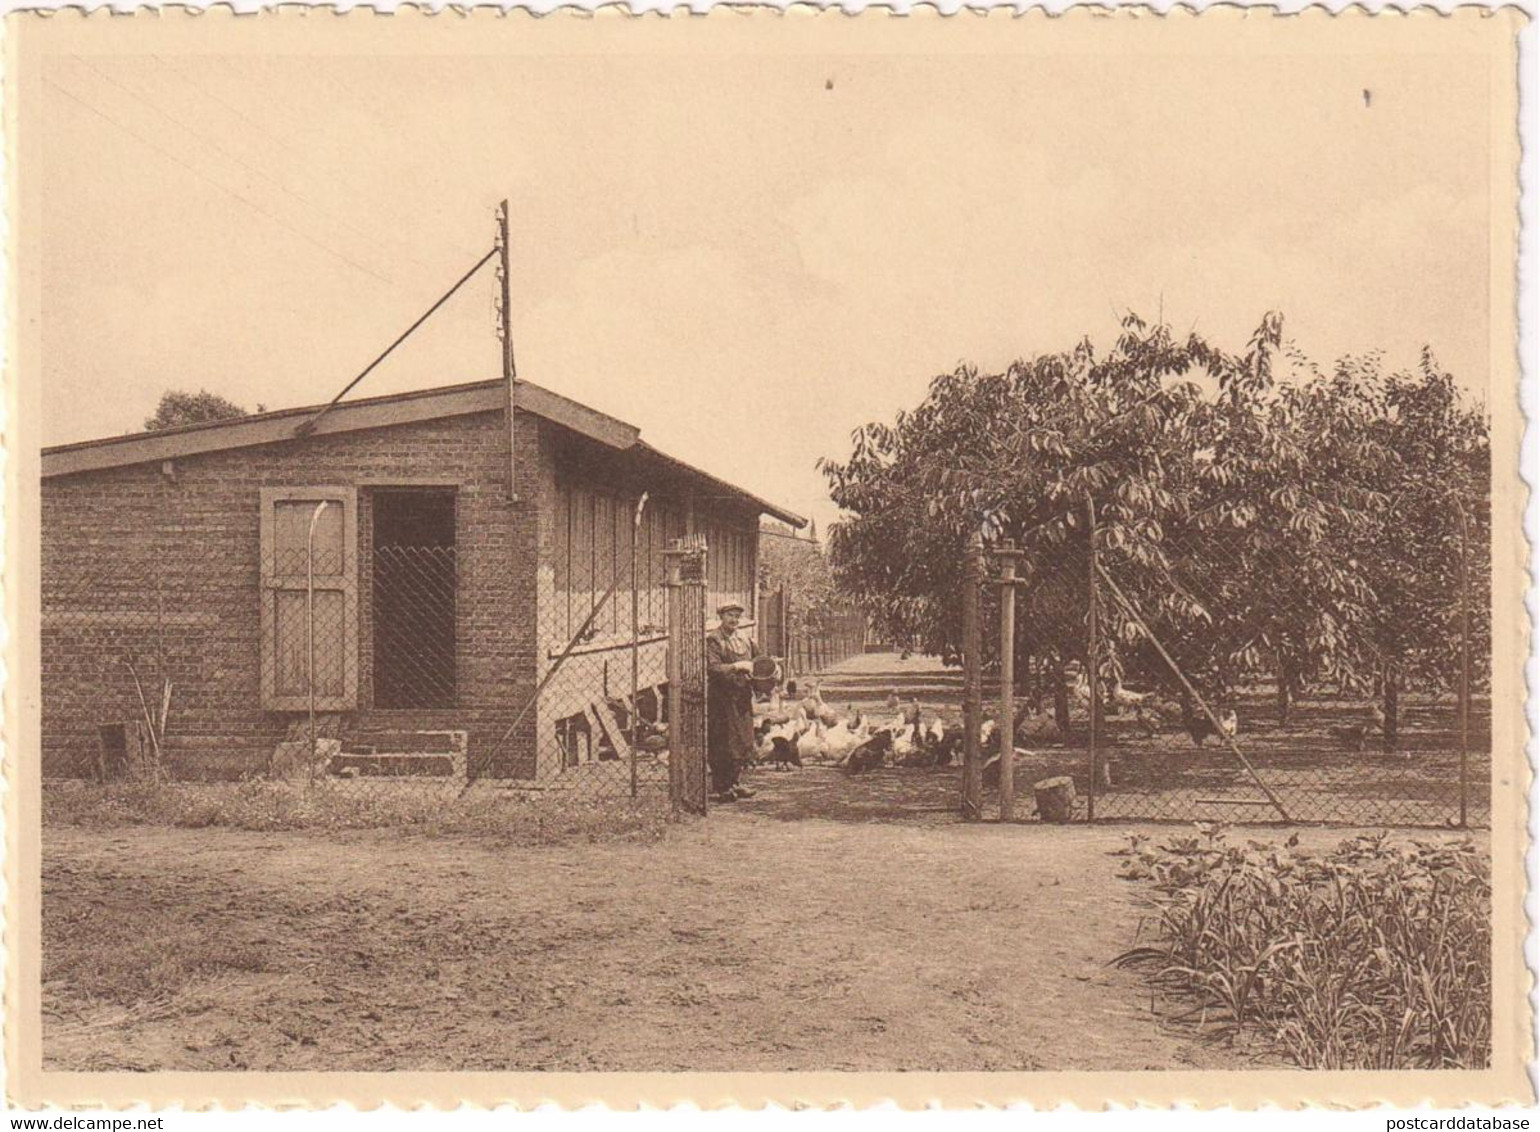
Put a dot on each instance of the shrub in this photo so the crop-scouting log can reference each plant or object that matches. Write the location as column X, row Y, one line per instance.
column 1376, row 955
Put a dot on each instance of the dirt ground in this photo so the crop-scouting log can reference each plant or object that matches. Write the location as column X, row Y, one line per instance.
column 738, row 943
column 828, row 923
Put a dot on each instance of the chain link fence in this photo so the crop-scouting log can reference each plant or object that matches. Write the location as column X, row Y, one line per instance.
column 1251, row 684
column 349, row 661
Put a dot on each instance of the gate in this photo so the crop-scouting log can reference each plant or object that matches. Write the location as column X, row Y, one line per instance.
column 772, row 622
column 685, row 562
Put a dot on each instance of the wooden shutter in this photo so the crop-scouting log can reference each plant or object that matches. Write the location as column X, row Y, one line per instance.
column 286, row 517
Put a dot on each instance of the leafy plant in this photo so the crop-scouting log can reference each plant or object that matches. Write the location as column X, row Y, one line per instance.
column 1376, row 955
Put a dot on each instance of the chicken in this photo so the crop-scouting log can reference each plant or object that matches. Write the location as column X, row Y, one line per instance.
column 841, row 740
column 945, row 749
column 989, row 739
column 783, row 753
column 1154, row 715
column 811, row 745
column 992, row 768
column 1351, row 736
column 871, row 754
column 788, row 731
column 892, row 702
column 912, row 713
column 1038, row 729
column 1200, row 729
column 904, row 745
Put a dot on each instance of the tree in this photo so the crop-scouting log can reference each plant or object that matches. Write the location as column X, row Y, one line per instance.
column 1247, row 504
column 787, row 559
column 178, row 408
column 1022, row 455
column 1413, row 549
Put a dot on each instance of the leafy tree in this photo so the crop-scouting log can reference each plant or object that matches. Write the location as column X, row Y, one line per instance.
column 178, row 408
column 801, row 565
column 1442, row 469
column 1248, row 505
column 1021, row 455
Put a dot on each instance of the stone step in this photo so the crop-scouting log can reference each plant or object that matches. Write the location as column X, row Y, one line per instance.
column 400, row 754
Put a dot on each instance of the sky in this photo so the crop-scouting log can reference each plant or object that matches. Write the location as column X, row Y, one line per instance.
column 748, row 256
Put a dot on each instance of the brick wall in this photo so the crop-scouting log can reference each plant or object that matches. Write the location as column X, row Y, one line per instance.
column 165, row 572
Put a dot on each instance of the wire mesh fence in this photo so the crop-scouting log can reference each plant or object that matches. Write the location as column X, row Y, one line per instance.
column 1239, row 678
column 357, row 655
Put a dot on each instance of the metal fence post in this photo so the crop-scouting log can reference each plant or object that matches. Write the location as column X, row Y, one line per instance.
column 973, row 675
column 310, row 628
column 636, row 527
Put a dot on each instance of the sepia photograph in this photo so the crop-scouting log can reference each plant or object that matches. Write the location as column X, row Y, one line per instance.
column 851, row 551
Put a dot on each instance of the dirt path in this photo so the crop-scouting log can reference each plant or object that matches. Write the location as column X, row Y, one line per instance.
column 740, row 942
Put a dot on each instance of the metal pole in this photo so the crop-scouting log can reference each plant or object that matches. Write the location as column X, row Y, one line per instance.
column 1464, row 662
column 973, row 663
column 1007, row 555
column 310, row 624
column 1093, row 651
column 636, row 526
column 505, row 331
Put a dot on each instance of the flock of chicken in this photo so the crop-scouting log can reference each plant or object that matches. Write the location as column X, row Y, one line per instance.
column 792, row 732
column 797, row 732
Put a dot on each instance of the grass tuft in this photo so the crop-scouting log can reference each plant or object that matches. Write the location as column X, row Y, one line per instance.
column 504, row 816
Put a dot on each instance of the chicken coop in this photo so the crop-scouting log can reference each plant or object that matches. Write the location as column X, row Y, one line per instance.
column 404, row 570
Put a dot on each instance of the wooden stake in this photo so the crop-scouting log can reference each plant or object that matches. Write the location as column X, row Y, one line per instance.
column 1133, row 615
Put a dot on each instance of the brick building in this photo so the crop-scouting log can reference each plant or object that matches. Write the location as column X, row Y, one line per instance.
column 439, row 600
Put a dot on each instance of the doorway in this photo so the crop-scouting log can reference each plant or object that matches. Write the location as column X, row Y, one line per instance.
column 414, row 596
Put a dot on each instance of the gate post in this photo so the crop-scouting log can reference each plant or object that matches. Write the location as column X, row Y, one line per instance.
column 1007, row 554
column 973, row 676
column 1093, row 659
column 685, row 566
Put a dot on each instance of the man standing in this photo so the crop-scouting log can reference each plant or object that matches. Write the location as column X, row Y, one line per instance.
column 729, row 704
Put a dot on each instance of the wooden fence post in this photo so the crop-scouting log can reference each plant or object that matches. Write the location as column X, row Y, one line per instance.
column 1007, row 554
column 1464, row 708
column 1093, row 652
column 973, row 676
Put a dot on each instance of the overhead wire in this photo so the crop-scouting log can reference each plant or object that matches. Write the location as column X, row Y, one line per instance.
column 254, row 127
column 202, row 176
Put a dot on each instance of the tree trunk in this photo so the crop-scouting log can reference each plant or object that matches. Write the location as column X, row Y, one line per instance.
column 1061, row 699
column 1189, row 710
column 1285, row 693
column 1392, row 695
